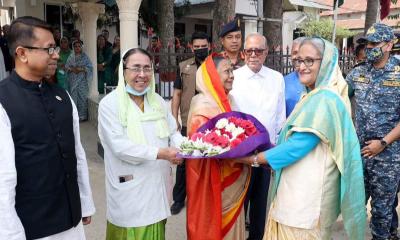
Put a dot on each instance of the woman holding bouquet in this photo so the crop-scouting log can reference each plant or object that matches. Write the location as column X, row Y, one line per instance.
column 215, row 188
column 135, row 128
column 318, row 169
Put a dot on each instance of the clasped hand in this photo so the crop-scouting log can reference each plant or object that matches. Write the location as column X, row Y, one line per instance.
column 373, row 148
column 169, row 154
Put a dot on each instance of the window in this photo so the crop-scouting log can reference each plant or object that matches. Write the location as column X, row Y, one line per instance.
column 56, row 16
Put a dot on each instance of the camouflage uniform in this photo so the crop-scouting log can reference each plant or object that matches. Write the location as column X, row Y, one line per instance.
column 239, row 62
column 377, row 95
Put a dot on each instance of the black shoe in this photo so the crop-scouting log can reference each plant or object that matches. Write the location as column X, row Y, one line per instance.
column 394, row 237
column 177, row 207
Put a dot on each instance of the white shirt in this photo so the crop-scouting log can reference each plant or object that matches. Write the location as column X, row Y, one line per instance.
column 262, row 95
column 10, row 225
column 146, row 198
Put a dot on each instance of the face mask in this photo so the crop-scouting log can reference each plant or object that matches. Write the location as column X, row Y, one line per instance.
column 132, row 91
column 374, row 54
column 201, row 54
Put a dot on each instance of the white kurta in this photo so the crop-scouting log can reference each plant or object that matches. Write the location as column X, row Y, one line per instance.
column 146, row 198
column 262, row 95
column 10, row 225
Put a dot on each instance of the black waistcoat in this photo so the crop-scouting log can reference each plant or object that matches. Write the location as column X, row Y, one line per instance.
column 47, row 195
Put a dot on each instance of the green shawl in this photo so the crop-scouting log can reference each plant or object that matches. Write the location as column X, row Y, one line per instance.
column 131, row 117
column 325, row 111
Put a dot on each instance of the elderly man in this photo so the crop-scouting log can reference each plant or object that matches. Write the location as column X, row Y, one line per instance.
column 44, row 179
column 259, row 91
column 376, row 88
column 231, row 40
column 293, row 87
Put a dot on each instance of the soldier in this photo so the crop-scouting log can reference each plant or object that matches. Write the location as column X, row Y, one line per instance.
column 184, row 90
column 376, row 88
column 231, row 40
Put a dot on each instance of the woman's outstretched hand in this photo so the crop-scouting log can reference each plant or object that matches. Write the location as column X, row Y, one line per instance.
column 169, row 154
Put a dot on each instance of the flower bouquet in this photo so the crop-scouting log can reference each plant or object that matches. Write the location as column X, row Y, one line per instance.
column 228, row 135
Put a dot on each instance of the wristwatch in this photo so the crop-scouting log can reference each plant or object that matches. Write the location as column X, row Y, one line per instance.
column 383, row 143
column 255, row 162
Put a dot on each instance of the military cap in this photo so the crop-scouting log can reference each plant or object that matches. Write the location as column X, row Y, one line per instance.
column 231, row 26
column 380, row 33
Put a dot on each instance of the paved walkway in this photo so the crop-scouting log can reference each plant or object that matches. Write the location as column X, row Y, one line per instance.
column 176, row 225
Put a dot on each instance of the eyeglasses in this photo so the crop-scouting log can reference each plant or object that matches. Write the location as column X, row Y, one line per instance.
column 146, row 70
column 308, row 62
column 256, row 51
column 50, row 50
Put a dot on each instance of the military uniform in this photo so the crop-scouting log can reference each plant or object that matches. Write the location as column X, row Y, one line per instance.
column 377, row 96
column 186, row 82
column 239, row 62
column 232, row 26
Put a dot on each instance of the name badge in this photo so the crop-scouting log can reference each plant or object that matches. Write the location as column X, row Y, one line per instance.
column 361, row 79
column 391, row 83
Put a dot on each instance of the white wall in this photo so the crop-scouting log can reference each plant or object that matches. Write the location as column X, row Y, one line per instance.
column 250, row 26
column 289, row 24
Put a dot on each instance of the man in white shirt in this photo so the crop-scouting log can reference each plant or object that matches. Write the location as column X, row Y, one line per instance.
column 44, row 180
column 259, row 91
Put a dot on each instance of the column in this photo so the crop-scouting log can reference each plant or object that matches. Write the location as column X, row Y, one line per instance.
column 89, row 12
column 128, row 17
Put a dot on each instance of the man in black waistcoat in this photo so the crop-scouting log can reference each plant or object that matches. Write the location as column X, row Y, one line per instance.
column 44, row 180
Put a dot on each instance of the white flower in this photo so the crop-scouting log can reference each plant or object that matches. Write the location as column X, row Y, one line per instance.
column 236, row 132
column 218, row 132
column 230, row 127
column 222, row 123
column 197, row 153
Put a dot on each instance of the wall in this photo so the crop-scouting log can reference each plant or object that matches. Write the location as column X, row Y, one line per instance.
column 290, row 24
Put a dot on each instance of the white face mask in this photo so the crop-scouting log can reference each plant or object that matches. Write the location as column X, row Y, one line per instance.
column 132, row 91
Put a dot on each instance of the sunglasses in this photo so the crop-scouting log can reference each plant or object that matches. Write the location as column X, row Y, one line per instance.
column 256, row 51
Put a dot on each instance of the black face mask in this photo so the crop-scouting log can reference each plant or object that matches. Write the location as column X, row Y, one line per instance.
column 201, row 54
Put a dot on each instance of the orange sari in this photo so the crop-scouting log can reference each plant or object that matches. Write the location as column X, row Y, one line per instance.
column 216, row 189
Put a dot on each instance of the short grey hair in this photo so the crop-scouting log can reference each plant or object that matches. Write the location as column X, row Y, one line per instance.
column 317, row 43
column 251, row 35
column 298, row 40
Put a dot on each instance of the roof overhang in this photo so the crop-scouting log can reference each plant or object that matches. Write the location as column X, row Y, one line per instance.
column 311, row 4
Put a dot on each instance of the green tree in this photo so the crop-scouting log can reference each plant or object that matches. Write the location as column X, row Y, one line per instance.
column 224, row 12
column 372, row 13
column 324, row 29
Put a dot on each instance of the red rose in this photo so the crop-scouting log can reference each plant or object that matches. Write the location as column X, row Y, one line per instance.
column 210, row 138
column 241, row 136
column 246, row 124
column 251, row 131
column 233, row 120
column 236, row 142
column 224, row 132
column 222, row 141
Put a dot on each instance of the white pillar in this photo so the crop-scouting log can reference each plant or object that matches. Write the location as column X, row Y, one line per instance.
column 89, row 12
column 250, row 26
column 128, row 17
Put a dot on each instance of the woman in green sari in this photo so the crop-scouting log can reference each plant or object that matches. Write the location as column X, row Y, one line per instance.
column 317, row 163
column 64, row 54
column 104, row 72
